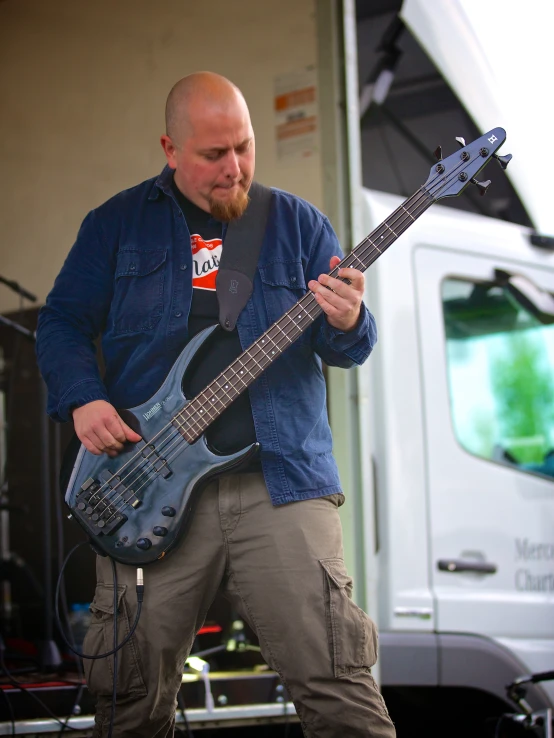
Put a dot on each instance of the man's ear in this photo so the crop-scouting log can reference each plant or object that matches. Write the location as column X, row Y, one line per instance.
column 169, row 150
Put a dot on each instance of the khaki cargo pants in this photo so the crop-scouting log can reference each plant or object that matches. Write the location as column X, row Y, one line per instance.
column 282, row 569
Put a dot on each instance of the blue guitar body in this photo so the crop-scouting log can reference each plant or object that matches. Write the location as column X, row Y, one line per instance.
column 136, row 506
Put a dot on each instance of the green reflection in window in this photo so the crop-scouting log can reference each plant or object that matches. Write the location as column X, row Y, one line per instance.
column 501, row 375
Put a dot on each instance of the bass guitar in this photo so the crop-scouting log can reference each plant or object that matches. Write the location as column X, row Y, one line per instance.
column 134, row 507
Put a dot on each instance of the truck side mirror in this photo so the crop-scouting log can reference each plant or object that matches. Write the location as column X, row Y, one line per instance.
column 526, row 293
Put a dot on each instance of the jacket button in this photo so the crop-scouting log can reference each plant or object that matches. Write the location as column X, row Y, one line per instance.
column 183, row 267
column 178, row 314
column 132, row 267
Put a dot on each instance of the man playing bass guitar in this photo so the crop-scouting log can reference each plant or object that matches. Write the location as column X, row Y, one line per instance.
column 267, row 535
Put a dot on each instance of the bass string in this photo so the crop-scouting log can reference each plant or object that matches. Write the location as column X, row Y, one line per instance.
column 147, row 471
column 201, row 401
column 186, row 421
column 423, row 194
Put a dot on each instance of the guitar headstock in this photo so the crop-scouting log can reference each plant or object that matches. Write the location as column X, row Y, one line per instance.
column 449, row 177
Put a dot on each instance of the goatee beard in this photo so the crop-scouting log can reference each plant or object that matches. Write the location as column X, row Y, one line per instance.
column 227, row 211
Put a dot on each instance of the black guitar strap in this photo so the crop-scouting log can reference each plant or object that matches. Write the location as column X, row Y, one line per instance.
column 239, row 257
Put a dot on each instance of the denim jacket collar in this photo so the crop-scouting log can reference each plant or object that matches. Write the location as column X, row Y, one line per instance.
column 162, row 183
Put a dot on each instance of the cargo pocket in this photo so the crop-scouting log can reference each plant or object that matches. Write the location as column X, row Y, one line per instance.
column 352, row 633
column 99, row 639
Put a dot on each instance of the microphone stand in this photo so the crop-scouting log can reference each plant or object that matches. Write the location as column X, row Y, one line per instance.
column 49, row 654
column 236, row 641
column 17, row 288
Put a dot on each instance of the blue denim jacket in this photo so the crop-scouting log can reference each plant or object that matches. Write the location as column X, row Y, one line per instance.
column 128, row 277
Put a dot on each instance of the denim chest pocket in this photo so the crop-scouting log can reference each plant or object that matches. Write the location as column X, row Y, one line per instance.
column 137, row 303
column 283, row 285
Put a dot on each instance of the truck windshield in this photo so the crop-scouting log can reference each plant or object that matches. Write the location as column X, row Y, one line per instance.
column 500, row 363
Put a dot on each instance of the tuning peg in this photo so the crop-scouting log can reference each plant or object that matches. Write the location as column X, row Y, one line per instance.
column 503, row 160
column 482, row 186
column 461, row 141
column 438, row 153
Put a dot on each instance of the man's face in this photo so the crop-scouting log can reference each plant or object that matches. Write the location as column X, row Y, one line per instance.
column 215, row 157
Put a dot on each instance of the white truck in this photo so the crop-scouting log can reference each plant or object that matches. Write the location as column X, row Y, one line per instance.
column 459, row 416
column 455, row 408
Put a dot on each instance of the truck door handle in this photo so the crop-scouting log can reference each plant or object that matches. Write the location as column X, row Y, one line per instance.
column 456, row 566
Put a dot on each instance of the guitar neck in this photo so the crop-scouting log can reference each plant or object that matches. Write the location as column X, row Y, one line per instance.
column 200, row 412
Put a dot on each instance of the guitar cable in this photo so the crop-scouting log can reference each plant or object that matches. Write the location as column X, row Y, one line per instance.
column 19, row 685
column 10, row 710
column 182, row 710
column 116, row 647
column 115, row 611
column 22, row 688
column 76, row 706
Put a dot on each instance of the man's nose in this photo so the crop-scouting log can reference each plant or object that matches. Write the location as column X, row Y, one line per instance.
column 232, row 167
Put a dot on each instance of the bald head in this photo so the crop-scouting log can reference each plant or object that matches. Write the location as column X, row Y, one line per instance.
column 209, row 142
column 192, row 96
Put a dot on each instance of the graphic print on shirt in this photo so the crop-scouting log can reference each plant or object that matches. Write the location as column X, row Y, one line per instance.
column 206, row 256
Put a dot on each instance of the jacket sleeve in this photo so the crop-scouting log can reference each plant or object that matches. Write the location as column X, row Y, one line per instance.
column 335, row 347
column 72, row 318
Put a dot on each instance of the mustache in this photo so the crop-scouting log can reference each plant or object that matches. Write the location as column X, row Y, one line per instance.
column 242, row 182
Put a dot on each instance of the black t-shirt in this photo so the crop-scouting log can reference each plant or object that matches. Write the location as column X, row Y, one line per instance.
column 234, row 429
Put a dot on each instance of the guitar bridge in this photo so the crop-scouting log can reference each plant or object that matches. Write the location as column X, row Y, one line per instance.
column 98, row 503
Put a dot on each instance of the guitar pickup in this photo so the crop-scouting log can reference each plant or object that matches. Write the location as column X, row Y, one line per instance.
column 157, row 462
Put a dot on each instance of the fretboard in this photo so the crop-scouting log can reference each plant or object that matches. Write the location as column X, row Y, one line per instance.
column 197, row 415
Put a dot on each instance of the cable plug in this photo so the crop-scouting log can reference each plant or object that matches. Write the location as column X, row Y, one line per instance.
column 140, row 585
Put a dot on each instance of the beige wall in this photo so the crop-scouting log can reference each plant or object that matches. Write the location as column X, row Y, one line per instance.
column 83, row 86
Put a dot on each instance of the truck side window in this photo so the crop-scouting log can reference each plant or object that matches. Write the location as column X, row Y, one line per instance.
column 500, row 363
